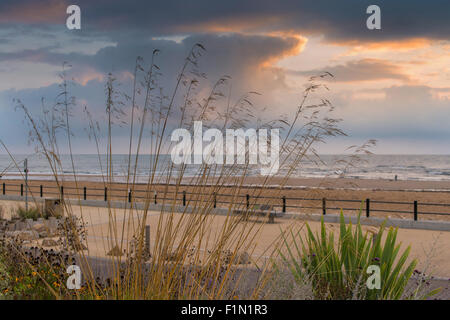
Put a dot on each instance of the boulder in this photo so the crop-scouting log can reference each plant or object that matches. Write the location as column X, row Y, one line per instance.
column 24, row 235
column 28, row 235
column 52, row 223
column 29, row 223
column 20, row 225
column 43, row 230
column 40, row 227
column 11, row 226
column 44, row 234
column 53, row 207
column 49, row 243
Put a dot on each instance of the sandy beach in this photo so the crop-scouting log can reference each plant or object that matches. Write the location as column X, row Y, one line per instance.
column 431, row 248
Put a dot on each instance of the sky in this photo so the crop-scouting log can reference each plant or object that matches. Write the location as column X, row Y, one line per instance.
column 391, row 84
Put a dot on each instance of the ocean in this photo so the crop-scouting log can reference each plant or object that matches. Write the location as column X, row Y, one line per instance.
column 406, row 167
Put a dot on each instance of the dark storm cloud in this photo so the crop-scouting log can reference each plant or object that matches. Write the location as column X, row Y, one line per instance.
column 227, row 29
column 233, row 54
column 337, row 20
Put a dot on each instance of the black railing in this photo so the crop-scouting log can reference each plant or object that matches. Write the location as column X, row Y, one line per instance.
column 282, row 202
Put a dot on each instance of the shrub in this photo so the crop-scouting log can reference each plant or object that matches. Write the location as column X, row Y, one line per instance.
column 338, row 270
column 32, row 213
column 35, row 274
column 23, row 278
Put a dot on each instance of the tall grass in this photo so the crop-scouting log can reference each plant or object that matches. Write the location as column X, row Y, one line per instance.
column 187, row 260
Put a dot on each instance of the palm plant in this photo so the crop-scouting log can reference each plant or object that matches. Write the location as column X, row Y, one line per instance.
column 338, row 268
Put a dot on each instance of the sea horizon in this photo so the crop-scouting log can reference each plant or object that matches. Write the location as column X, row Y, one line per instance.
column 423, row 167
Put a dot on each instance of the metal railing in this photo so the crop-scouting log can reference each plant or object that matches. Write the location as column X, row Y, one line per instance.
column 284, row 203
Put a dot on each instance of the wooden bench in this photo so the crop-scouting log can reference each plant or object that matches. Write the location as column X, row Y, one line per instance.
column 264, row 210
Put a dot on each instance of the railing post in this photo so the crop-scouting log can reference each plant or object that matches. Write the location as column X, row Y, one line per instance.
column 129, row 196
column 4, row 188
column 84, row 193
column 248, row 200
column 41, row 189
column 147, row 239
column 106, row 194
column 156, row 196
column 284, row 204
column 184, row 198
column 21, row 190
column 367, row 208
column 62, row 192
column 215, row 200
column 324, row 206
column 415, row 210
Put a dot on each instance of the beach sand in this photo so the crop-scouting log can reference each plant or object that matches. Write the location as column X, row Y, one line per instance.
column 431, row 248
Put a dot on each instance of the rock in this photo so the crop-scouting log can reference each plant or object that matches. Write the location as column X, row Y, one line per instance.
column 11, row 226
column 53, row 207
column 20, row 225
column 49, row 243
column 43, row 230
column 26, row 235
column 43, row 234
column 52, row 223
column 29, row 223
column 40, row 227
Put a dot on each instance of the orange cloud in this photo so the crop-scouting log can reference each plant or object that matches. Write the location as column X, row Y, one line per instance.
column 261, row 25
column 88, row 74
column 369, row 95
column 296, row 49
column 252, row 26
column 360, row 70
column 402, row 45
column 50, row 11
